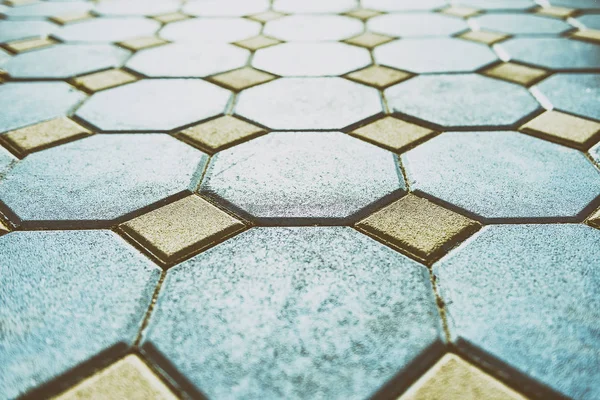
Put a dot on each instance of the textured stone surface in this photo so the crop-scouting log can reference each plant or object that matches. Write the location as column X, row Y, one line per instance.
column 19, row 30
column 554, row 53
column 433, row 55
column 416, row 25
column 378, row 76
column 27, row 103
column 6, row 159
column 242, row 78
column 322, row 27
column 107, row 30
column 516, row 291
column 104, row 80
column 308, row 103
column 93, row 275
column 100, row 178
column 403, row 5
column 220, row 30
column 325, row 284
column 225, row 8
column 393, row 134
column 299, row 177
column 499, row 5
column 586, row 5
column 461, row 100
column 564, row 128
column 314, row 6
column 516, row 73
column 65, row 61
column 503, row 175
column 574, row 93
column 521, row 24
column 154, row 105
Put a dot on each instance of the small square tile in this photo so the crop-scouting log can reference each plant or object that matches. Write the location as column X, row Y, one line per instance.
column 242, row 78
column 460, row 11
column 220, row 133
column 453, row 378
column 564, row 128
column 71, row 17
column 485, row 37
column 128, row 378
column 363, row 13
column 103, row 80
column 170, row 17
column 43, row 135
column 257, row 42
column 369, row 40
column 418, row 227
column 378, row 76
column 556, row 12
column 141, row 43
column 3, row 76
column 3, row 228
column 588, row 35
column 516, row 73
column 594, row 219
column 393, row 134
column 20, row 46
column 181, row 228
column 266, row 16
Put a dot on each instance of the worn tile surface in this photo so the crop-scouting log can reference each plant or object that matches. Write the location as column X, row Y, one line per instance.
column 516, row 73
column 323, row 27
column 416, row 25
column 103, row 80
column 20, row 30
column 521, row 24
column 222, row 30
column 564, row 128
column 574, row 93
column 554, row 53
column 100, row 30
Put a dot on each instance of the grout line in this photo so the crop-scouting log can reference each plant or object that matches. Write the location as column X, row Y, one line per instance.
column 151, row 307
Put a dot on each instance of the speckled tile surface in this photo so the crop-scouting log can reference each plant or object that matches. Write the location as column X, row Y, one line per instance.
column 299, row 199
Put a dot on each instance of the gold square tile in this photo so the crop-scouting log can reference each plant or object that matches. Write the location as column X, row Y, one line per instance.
column 103, row 80
column 3, row 76
column 378, row 76
column 257, row 42
column 43, row 135
column 588, row 35
column 516, row 73
column 460, row 11
column 485, row 37
column 220, row 133
column 129, row 378
column 72, row 17
column 418, row 227
column 3, row 228
column 20, row 46
column 594, row 219
column 266, row 16
column 363, row 13
column 242, row 78
column 556, row 12
column 141, row 43
column 453, row 378
column 369, row 40
column 181, row 228
column 393, row 134
column 170, row 17
column 564, row 128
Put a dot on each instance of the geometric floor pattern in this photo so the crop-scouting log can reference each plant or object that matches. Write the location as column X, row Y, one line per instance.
column 286, row 199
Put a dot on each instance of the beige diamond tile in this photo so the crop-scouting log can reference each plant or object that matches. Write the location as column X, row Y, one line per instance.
column 363, row 13
column 72, row 17
column 20, row 46
column 3, row 228
column 129, row 378
column 3, row 76
column 266, row 16
column 242, row 78
column 369, row 40
column 460, row 11
column 170, row 17
column 485, row 37
column 393, row 134
column 141, row 43
column 588, row 35
column 257, row 42
column 516, row 73
column 452, row 378
column 220, row 133
column 43, row 135
column 557, row 12
column 564, row 128
column 594, row 219
column 181, row 228
column 103, row 80
column 378, row 76
column 418, row 227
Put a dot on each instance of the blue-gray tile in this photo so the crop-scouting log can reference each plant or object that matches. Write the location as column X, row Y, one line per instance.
column 225, row 8
column 591, row 5
column 27, row 103
column 591, row 21
column 6, row 159
column 416, row 25
column 308, row 103
column 574, row 93
column 432, row 55
column 314, row 6
column 520, row 24
column 311, row 59
column 322, row 27
column 498, row 5
column 18, row 30
column 187, row 60
column 504, row 175
column 100, row 178
column 404, row 5
column 67, row 296
column 298, row 313
column 4, row 58
column 154, row 105
column 303, row 177
column 106, row 30
column 220, row 30
column 65, row 60
column 554, row 53
column 48, row 9
column 595, row 153
column 462, row 100
column 528, row 296
column 136, row 7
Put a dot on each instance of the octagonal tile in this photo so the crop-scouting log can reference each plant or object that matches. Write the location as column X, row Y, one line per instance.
column 154, row 105
column 107, row 30
column 403, row 5
column 47, row 9
column 554, row 53
column 498, row 5
column 520, row 24
column 590, row 21
column 225, row 8
column 100, row 178
column 136, row 7
column 322, row 27
column 574, row 93
column 504, row 175
column 303, row 177
column 18, row 30
column 314, row 6
column 6, row 159
column 325, row 283
column 416, row 25
column 224, row 30
column 586, row 5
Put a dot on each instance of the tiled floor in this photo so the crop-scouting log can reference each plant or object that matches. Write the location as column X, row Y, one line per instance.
column 300, row 199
